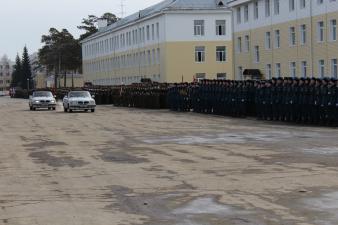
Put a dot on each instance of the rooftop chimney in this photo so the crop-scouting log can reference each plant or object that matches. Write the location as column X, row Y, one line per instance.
column 102, row 23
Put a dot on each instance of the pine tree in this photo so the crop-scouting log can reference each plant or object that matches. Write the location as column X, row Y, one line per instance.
column 17, row 73
column 26, row 70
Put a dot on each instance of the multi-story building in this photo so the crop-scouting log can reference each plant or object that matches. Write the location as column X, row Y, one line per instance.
column 173, row 41
column 6, row 69
column 285, row 37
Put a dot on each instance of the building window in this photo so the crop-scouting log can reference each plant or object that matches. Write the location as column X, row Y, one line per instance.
column 153, row 31
column 200, row 76
column 220, row 27
column 238, row 13
column 291, row 5
column 267, row 8
column 153, row 57
column 267, row 40
column 157, row 30
column 293, row 70
column 333, row 30
column 277, row 39
column 303, row 34
column 199, row 27
column 321, row 68
column 257, row 57
column 277, row 70
column 247, row 43
column 148, row 32
column 158, row 56
column 292, row 36
column 143, row 36
column 220, row 3
column 220, row 53
column 276, row 7
column 200, row 54
column 149, row 57
column 320, row 31
column 221, row 76
column 239, row 44
column 302, row 4
column 268, row 71
column 256, row 10
column 334, row 68
column 246, row 13
column 304, row 68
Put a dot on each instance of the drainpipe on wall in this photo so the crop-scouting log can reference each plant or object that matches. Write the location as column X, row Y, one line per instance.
column 311, row 43
column 233, row 46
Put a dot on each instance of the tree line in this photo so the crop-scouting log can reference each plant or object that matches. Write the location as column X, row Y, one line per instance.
column 60, row 54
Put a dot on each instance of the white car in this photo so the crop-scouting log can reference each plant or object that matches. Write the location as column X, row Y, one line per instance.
column 79, row 100
column 42, row 100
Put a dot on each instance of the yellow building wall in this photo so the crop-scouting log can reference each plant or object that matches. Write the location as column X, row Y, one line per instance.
column 180, row 61
column 326, row 50
column 78, row 81
column 177, row 59
column 40, row 81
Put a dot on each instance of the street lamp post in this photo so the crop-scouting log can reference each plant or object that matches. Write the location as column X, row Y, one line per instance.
column 28, row 87
column 28, row 84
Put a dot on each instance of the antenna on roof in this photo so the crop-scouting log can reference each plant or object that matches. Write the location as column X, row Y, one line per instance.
column 122, row 5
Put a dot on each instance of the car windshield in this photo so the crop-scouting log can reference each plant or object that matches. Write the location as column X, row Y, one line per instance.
column 42, row 94
column 79, row 94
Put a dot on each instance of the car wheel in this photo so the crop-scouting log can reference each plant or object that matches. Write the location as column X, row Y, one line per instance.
column 92, row 110
column 49, row 108
column 65, row 109
column 86, row 110
column 30, row 108
column 70, row 110
column 34, row 109
column 54, row 108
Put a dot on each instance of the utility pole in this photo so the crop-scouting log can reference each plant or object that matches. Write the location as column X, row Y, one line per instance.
column 122, row 5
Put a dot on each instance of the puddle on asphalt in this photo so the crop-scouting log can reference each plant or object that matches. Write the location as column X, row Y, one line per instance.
column 322, row 150
column 323, row 210
column 227, row 138
column 178, row 209
column 204, row 206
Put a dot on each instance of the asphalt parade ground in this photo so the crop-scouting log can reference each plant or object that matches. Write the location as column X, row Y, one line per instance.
column 121, row 166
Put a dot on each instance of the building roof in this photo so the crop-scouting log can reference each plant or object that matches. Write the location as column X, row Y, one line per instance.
column 232, row 3
column 166, row 5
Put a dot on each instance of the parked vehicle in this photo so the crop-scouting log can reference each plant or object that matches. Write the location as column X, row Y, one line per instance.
column 79, row 100
column 42, row 99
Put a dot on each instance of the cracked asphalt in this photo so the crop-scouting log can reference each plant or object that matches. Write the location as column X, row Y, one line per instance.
column 125, row 166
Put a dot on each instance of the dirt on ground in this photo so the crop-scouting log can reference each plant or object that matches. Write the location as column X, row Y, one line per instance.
column 122, row 166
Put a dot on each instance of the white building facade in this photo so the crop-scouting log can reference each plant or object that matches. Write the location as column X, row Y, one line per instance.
column 286, row 37
column 172, row 41
column 6, row 70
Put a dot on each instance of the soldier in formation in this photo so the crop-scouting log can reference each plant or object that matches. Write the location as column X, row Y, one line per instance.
column 304, row 100
column 148, row 96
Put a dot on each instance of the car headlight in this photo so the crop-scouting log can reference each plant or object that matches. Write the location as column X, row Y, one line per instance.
column 36, row 101
column 52, row 101
column 92, row 102
column 73, row 103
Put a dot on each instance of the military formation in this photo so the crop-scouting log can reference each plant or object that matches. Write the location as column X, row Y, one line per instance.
column 304, row 100
column 142, row 95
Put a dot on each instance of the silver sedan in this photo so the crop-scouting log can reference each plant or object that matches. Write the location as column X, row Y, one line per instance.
column 42, row 99
column 79, row 100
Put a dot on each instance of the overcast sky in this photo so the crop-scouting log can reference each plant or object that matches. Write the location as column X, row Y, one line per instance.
column 23, row 22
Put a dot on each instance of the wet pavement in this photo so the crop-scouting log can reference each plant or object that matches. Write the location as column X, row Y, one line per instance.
column 128, row 167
